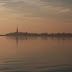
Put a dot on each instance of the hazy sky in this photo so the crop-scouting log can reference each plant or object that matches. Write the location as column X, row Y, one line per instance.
column 36, row 16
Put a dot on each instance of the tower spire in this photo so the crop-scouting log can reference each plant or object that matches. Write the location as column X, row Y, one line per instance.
column 17, row 29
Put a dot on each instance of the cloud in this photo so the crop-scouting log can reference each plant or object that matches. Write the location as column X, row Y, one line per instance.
column 37, row 7
column 65, row 10
column 59, row 9
column 59, row 3
column 26, row 7
column 53, row 9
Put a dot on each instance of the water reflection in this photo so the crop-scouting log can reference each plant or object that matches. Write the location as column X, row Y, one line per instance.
column 17, row 38
column 22, row 37
column 35, row 54
column 36, row 38
column 25, row 65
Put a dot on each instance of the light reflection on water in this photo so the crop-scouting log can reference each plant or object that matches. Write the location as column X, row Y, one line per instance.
column 35, row 54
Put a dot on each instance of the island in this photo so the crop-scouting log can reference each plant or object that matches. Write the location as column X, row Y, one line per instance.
column 17, row 33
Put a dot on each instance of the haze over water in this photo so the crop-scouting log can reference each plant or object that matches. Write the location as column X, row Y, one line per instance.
column 32, row 54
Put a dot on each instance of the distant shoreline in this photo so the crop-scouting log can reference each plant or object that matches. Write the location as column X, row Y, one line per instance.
column 2, row 35
column 39, row 35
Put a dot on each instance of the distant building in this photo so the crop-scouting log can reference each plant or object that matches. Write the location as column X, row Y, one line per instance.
column 17, row 30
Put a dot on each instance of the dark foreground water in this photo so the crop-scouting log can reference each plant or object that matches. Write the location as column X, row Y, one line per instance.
column 31, row 54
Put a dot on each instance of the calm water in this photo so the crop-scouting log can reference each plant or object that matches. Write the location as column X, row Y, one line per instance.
column 30, row 54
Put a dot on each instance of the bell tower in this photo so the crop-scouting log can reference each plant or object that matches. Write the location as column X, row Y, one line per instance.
column 17, row 30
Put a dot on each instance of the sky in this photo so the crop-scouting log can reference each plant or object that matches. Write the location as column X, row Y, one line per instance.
column 36, row 16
